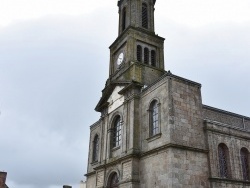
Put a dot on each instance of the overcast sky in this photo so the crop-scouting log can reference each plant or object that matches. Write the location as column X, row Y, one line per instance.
column 54, row 60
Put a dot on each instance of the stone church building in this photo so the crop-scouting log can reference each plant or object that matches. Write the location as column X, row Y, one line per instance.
column 154, row 131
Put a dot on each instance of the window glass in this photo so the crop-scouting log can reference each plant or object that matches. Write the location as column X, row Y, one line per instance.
column 245, row 163
column 114, row 181
column 117, row 133
column 223, row 160
column 96, row 148
column 154, row 118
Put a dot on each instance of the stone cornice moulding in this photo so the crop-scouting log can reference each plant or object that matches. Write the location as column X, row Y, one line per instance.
column 215, row 126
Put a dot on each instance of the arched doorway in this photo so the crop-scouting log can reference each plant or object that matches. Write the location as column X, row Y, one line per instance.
column 113, row 181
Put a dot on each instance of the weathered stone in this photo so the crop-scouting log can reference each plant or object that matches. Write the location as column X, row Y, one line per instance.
column 183, row 152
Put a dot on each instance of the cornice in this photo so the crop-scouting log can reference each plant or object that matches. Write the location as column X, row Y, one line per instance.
column 90, row 174
column 173, row 146
column 186, row 80
column 232, row 131
column 225, row 112
column 133, row 84
column 95, row 124
column 111, row 163
column 131, row 28
column 170, row 75
column 144, row 154
column 106, row 92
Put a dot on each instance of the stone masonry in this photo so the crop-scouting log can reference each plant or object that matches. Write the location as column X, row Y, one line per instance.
column 154, row 130
column 3, row 176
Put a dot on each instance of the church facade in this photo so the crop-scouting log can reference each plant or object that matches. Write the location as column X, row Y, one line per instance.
column 154, row 131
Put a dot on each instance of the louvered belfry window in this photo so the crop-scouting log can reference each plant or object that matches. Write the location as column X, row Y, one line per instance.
column 146, row 55
column 123, row 19
column 223, row 160
column 245, row 164
column 117, row 132
column 96, row 148
column 153, row 60
column 139, row 53
column 145, row 15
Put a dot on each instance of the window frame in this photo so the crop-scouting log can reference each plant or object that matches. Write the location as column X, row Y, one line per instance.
column 96, row 148
column 154, row 130
column 245, row 164
column 139, row 53
column 224, row 161
column 116, row 132
column 110, row 178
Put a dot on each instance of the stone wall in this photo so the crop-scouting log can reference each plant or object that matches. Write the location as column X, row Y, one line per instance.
column 155, row 170
column 189, row 169
column 156, row 92
column 185, row 152
column 228, row 118
column 91, row 181
column 232, row 130
column 247, row 124
column 185, row 116
column 95, row 129
column 174, row 168
column 3, row 176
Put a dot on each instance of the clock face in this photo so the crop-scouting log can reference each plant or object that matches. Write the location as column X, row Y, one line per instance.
column 120, row 58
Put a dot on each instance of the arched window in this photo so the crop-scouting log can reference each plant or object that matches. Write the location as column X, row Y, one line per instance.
column 95, row 148
column 154, row 118
column 224, row 161
column 146, row 55
column 153, row 60
column 117, row 132
column 145, row 15
column 245, row 163
column 124, row 19
column 113, row 181
column 139, row 53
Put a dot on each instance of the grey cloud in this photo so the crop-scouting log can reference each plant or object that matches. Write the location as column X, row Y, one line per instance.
column 49, row 75
column 217, row 56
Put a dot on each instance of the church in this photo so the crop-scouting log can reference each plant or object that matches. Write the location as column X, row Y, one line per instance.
column 154, row 130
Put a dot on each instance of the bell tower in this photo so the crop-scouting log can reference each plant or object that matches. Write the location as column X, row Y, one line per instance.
column 138, row 53
column 137, row 14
